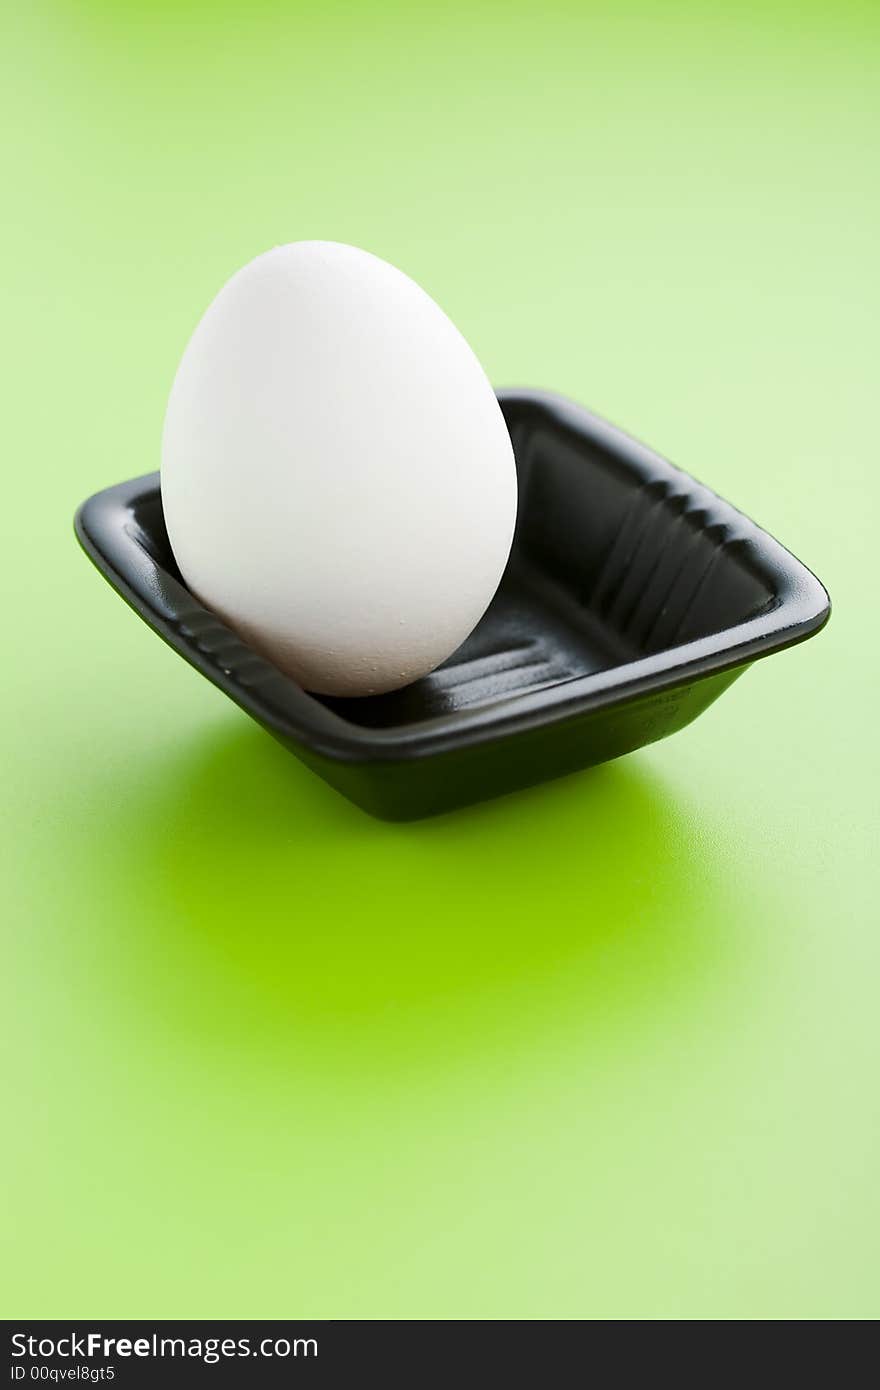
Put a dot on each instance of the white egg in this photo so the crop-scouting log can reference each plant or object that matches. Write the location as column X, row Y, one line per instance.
column 338, row 481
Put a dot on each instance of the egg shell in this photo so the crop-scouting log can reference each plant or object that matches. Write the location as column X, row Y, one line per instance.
column 338, row 481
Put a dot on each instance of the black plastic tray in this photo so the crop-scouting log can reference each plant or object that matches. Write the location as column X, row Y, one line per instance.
column 633, row 597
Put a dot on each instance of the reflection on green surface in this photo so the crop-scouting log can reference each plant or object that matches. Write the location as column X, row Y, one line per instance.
column 322, row 930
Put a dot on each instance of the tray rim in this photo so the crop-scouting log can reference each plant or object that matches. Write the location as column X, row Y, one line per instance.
column 275, row 700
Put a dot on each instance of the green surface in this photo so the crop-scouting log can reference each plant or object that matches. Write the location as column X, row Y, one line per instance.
column 605, row 1048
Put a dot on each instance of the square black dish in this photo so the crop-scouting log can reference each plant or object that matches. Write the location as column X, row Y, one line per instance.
column 633, row 597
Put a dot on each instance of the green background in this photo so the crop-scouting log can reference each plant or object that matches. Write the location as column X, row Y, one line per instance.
column 605, row 1048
